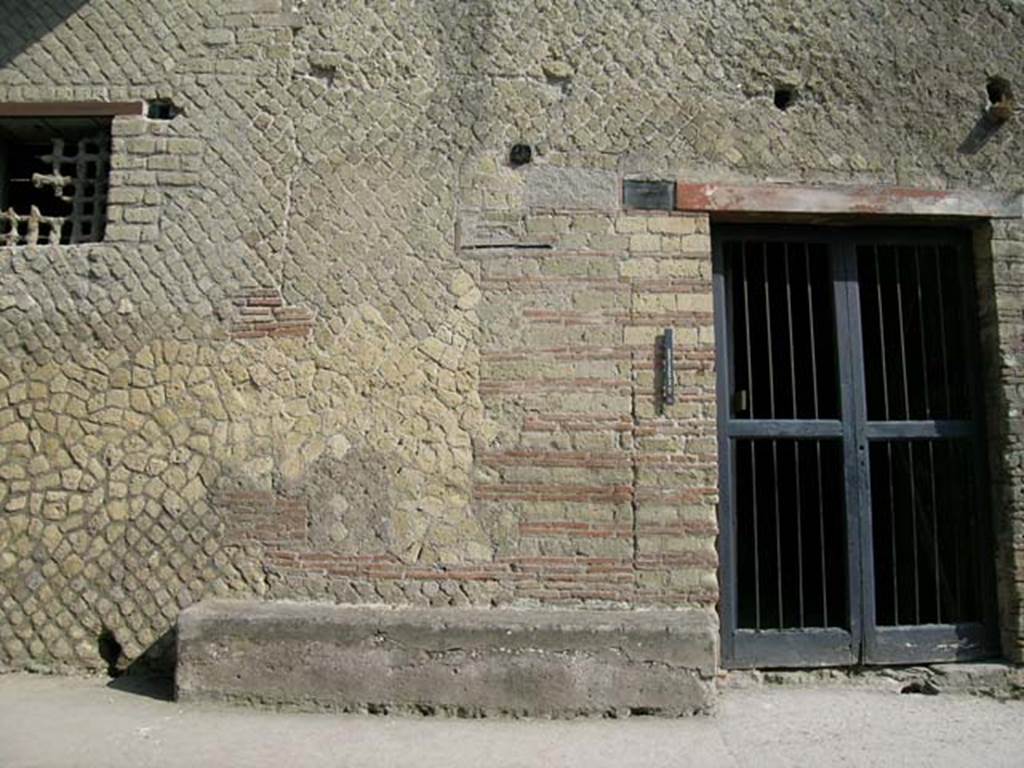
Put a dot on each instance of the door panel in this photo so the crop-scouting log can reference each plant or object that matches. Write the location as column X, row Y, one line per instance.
column 925, row 568
column 790, row 515
column 785, row 360
column 913, row 323
column 852, row 515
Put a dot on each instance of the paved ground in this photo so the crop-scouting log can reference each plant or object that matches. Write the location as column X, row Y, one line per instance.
column 54, row 721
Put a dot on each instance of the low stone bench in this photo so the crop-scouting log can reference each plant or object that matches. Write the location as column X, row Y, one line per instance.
column 448, row 660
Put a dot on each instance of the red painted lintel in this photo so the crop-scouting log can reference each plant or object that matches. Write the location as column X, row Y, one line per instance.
column 801, row 199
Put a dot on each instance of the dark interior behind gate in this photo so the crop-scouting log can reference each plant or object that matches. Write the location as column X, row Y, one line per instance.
column 854, row 513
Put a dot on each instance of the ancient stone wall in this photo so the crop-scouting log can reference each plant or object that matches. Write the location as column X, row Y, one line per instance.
column 334, row 346
column 999, row 252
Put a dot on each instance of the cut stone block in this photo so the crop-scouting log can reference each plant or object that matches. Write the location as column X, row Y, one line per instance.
column 472, row 662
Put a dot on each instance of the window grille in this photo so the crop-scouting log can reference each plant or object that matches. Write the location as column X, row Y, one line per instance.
column 55, row 180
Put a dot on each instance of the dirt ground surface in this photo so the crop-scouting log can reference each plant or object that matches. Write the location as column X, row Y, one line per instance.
column 66, row 721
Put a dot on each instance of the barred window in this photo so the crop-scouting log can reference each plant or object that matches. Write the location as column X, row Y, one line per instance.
column 54, row 179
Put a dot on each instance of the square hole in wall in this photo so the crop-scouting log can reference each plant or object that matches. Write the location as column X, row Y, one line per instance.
column 54, row 178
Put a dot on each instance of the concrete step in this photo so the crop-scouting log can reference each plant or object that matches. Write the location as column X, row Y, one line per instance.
column 473, row 662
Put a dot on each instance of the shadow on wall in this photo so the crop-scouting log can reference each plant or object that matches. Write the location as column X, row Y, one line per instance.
column 979, row 136
column 27, row 21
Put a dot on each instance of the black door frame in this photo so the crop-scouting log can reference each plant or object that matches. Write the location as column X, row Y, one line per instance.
column 865, row 642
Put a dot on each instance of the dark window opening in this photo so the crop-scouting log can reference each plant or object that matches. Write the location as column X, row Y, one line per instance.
column 54, row 178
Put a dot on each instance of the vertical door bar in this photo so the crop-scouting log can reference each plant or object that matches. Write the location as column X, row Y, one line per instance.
column 922, row 336
column 883, row 354
column 769, row 338
column 935, row 532
column 957, row 541
column 821, row 531
column 817, row 443
column 942, row 332
column 915, row 544
column 901, row 324
column 853, row 413
column 746, row 320
column 728, row 572
column 778, row 530
column 883, row 358
column 796, row 444
column 753, row 457
column 768, row 332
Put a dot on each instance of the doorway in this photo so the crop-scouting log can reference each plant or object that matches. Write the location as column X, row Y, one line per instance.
column 854, row 512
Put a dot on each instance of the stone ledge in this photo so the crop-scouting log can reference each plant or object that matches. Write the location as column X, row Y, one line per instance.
column 455, row 661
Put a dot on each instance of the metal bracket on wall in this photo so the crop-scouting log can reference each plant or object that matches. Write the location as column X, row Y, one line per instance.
column 668, row 373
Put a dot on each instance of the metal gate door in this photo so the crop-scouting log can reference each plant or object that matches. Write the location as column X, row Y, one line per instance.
column 854, row 518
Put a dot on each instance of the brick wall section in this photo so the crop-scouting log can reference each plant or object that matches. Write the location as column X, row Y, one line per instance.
column 674, row 447
column 265, row 518
column 609, row 495
column 594, row 492
column 259, row 313
column 999, row 253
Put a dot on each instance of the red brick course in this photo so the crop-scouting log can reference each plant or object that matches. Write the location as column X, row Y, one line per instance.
column 260, row 313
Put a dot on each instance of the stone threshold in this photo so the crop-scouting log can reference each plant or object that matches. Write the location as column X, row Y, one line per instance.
column 996, row 679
